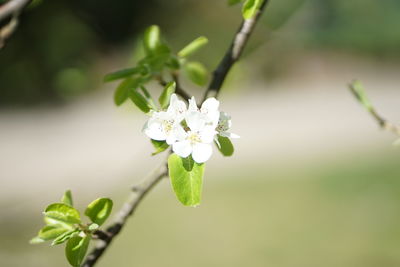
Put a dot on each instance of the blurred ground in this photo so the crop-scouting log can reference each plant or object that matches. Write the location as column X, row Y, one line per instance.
column 314, row 182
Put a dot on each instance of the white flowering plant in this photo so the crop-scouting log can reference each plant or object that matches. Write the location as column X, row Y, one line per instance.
column 177, row 125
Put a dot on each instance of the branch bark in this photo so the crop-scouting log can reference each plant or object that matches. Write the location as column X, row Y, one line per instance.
column 11, row 9
column 234, row 52
column 138, row 192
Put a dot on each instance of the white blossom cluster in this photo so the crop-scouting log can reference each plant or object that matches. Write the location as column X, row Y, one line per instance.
column 189, row 130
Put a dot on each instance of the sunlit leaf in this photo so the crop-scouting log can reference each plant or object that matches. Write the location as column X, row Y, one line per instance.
column 186, row 179
column 76, row 249
column 225, row 146
column 193, row 47
column 60, row 213
column 67, row 198
column 99, row 210
column 64, row 237
column 160, row 146
column 169, row 89
column 196, row 72
column 250, row 8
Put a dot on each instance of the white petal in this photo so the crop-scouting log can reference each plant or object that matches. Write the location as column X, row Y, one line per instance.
column 154, row 130
column 207, row 134
column 192, row 104
column 177, row 108
column 182, row 148
column 195, row 120
column 176, row 134
column 210, row 105
column 201, row 152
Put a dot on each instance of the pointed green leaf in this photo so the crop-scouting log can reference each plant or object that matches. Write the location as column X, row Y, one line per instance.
column 67, row 198
column 186, row 179
column 193, row 47
column 61, row 214
column 76, row 249
column 225, row 146
column 140, row 101
column 169, row 89
column 358, row 90
column 250, row 8
column 36, row 240
column 50, row 232
column 196, row 72
column 151, row 39
column 99, row 210
column 122, row 92
column 121, row 74
column 160, row 146
column 93, row 227
column 65, row 236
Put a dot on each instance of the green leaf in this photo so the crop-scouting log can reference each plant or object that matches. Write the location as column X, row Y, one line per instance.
column 358, row 90
column 121, row 74
column 196, row 72
column 225, row 146
column 93, row 227
column 234, row 2
column 36, row 240
column 64, row 237
column 140, row 101
column 186, row 178
column 193, row 47
column 152, row 41
column 61, row 214
column 122, row 92
column 76, row 249
column 99, row 210
column 169, row 89
column 67, row 198
column 250, row 8
column 160, row 146
column 50, row 232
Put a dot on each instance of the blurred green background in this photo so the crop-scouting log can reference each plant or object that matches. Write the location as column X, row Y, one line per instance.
column 314, row 182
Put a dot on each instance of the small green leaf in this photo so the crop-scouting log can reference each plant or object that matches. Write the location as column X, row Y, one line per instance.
column 186, row 179
column 225, row 146
column 196, row 72
column 61, row 214
column 193, row 47
column 121, row 74
column 122, row 92
column 250, row 8
column 50, row 232
column 76, row 249
column 36, row 240
column 99, row 210
column 169, row 89
column 152, row 41
column 160, row 146
column 358, row 90
column 64, row 237
column 234, row 2
column 140, row 101
column 67, row 198
column 93, row 227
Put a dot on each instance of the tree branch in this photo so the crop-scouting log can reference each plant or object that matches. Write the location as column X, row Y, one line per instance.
column 234, row 52
column 11, row 9
column 136, row 196
column 141, row 190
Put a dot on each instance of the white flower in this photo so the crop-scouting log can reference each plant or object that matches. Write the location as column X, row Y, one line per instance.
column 224, row 125
column 201, row 131
column 166, row 125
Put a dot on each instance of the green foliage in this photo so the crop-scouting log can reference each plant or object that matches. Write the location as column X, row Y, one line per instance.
column 186, row 179
column 358, row 90
column 76, row 248
column 160, row 146
column 139, row 100
column 234, row 2
column 63, row 224
column 196, row 72
column 67, row 198
column 225, row 146
column 99, row 210
column 250, row 8
column 121, row 74
column 169, row 89
column 193, row 47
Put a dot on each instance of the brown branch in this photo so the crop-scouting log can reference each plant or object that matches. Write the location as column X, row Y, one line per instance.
column 234, row 52
column 136, row 196
column 141, row 190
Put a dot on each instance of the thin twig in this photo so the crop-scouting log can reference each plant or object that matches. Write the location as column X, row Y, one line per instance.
column 178, row 88
column 234, row 52
column 358, row 91
column 136, row 196
column 140, row 191
column 12, row 9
